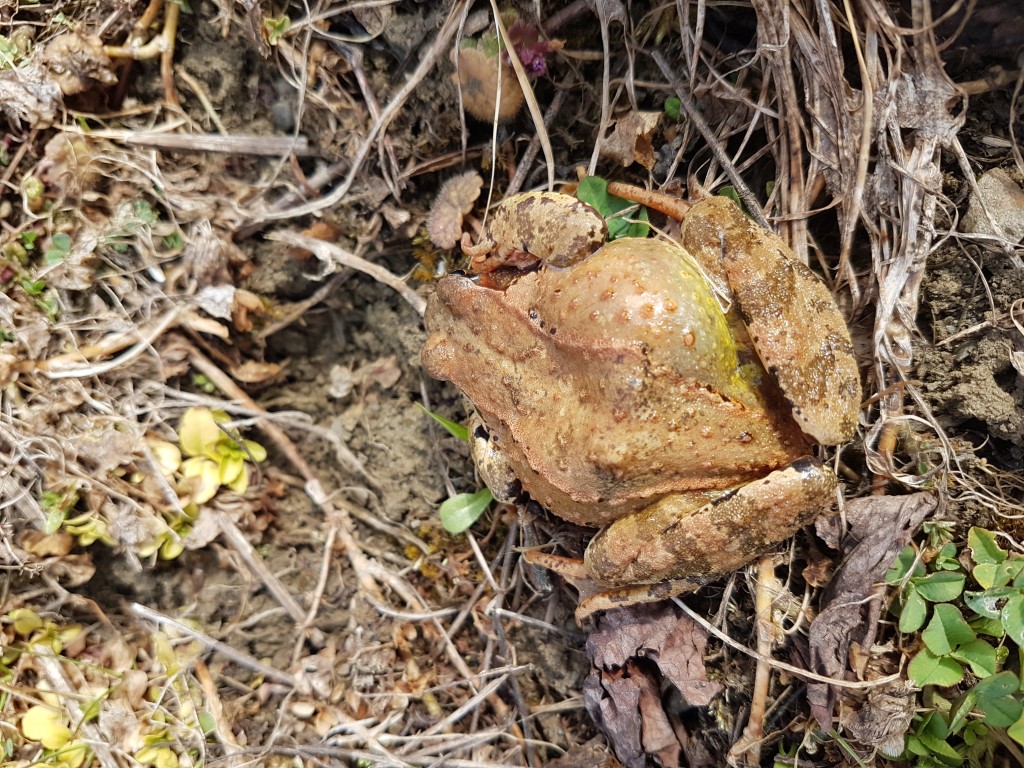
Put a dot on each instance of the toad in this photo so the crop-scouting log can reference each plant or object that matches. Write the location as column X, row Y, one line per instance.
column 667, row 393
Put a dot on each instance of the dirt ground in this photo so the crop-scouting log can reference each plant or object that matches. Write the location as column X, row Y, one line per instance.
column 157, row 258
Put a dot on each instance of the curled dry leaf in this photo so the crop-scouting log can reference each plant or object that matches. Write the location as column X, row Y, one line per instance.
column 453, row 202
column 77, row 63
column 478, row 76
column 72, row 570
column 630, row 141
column 255, row 372
column 216, row 300
column 623, row 695
column 880, row 527
column 69, row 164
column 384, row 372
column 883, row 718
column 29, row 95
column 327, row 231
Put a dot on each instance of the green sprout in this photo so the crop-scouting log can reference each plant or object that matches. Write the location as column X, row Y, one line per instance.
column 60, row 248
column 624, row 217
column 274, row 29
column 673, row 107
column 966, row 606
column 459, row 512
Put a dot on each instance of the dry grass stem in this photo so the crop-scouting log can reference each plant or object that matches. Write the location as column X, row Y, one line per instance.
column 437, row 50
column 330, row 253
column 802, row 674
column 236, row 144
column 257, row 567
column 242, row 659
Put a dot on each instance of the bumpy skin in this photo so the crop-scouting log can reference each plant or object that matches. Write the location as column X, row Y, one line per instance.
column 619, row 391
column 538, row 226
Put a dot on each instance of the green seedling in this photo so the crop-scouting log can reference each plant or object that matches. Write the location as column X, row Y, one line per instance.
column 456, row 430
column 967, row 607
column 624, row 217
column 274, row 29
column 459, row 512
column 463, row 509
column 215, row 457
column 60, row 247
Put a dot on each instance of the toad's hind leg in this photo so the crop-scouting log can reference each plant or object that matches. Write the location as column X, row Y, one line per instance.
column 682, row 542
column 791, row 316
column 700, row 536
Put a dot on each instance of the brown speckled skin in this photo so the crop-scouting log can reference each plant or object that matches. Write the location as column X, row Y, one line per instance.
column 556, row 229
column 619, row 391
column 780, row 300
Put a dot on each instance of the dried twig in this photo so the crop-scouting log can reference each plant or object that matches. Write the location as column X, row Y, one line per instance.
column 329, row 252
column 240, row 658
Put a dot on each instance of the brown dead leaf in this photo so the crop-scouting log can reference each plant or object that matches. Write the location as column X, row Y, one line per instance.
column 320, row 229
column 453, row 202
column 1003, row 199
column 656, row 733
column 46, row 544
column 77, row 63
column 255, row 372
column 662, row 633
column 613, row 701
column 630, row 141
column 631, row 650
column 880, row 527
column 384, row 372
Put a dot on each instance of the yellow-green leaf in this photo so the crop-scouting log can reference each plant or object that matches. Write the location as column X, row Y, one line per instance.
column 73, row 755
column 167, row 456
column 203, row 475
column 172, row 547
column 231, row 467
column 198, row 431
column 46, row 726
column 164, row 653
column 256, row 451
column 26, row 621
column 241, row 483
column 158, row 757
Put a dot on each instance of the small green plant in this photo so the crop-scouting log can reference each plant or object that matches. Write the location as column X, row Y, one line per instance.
column 968, row 607
column 274, row 29
column 60, row 247
column 215, row 458
column 459, row 512
column 86, row 527
column 624, row 217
